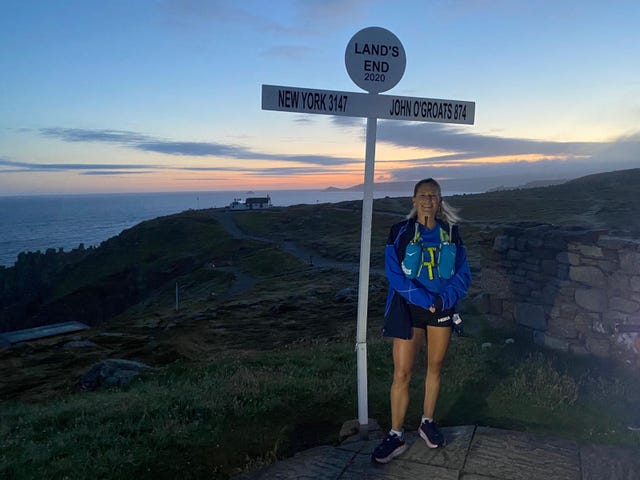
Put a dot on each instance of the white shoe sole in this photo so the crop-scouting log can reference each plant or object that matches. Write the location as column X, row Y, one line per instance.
column 428, row 442
column 394, row 454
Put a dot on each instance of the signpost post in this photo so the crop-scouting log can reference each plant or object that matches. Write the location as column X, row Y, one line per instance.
column 375, row 60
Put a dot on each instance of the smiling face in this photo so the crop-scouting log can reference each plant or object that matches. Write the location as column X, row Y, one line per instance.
column 427, row 201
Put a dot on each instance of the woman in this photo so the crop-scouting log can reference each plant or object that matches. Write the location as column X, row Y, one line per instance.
column 420, row 305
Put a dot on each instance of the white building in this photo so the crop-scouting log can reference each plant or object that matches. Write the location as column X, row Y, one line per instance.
column 253, row 203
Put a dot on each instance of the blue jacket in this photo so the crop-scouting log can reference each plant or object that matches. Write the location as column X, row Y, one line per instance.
column 424, row 290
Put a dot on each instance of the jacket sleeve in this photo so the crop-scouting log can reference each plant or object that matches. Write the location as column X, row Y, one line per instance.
column 459, row 283
column 411, row 291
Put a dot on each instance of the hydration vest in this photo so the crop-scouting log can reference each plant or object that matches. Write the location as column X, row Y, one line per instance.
column 414, row 259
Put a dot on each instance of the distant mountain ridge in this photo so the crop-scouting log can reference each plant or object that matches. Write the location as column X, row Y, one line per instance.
column 474, row 185
column 533, row 184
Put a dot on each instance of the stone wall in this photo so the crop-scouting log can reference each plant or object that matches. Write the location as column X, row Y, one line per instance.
column 573, row 290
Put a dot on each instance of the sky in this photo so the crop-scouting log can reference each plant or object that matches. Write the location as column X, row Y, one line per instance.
column 165, row 95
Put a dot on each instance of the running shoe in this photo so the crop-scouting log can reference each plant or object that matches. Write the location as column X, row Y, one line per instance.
column 431, row 434
column 391, row 447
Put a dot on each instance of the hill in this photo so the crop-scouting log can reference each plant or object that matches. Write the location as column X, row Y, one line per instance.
column 95, row 285
column 605, row 200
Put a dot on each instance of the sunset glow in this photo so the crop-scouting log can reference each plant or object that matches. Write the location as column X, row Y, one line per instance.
column 160, row 98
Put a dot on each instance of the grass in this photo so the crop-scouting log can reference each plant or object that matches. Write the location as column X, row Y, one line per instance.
column 192, row 419
column 599, row 201
column 331, row 230
column 153, row 250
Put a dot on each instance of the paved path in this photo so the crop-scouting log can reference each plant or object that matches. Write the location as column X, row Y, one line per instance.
column 472, row 453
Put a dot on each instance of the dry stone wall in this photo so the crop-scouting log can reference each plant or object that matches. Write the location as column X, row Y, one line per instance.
column 573, row 290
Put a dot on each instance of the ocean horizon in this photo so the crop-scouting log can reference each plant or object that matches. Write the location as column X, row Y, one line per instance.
column 34, row 223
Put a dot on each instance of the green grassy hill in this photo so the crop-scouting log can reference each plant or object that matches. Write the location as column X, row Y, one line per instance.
column 605, row 200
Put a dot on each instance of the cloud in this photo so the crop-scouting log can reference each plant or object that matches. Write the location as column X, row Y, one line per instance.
column 337, row 13
column 121, row 137
column 115, row 172
column 193, row 15
column 296, row 171
column 32, row 167
column 541, row 169
column 303, row 18
column 146, row 143
column 452, row 139
column 460, row 154
column 139, row 169
column 194, row 149
column 208, row 11
column 554, row 159
column 291, row 52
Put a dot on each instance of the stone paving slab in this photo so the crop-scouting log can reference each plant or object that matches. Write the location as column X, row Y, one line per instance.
column 522, row 456
column 453, row 456
column 320, row 463
column 601, row 461
column 399, row 469
column 473, row 476
column 471, row 453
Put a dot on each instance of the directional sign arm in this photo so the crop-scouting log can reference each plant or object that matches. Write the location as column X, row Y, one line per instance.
column 306, row 100
column 426, row 109
column 354, row 104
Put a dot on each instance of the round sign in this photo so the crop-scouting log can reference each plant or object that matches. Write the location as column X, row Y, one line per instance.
column 375, row 59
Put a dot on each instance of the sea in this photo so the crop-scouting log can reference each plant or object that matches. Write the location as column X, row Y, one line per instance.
column 39, row 222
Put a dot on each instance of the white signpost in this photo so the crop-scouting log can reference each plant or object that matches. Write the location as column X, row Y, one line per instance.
column 375, row 60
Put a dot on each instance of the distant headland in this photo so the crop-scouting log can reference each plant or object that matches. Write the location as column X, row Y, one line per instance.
column 455, row 186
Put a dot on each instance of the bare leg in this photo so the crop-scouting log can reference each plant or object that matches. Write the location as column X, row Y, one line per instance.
column 404, row 354
column 437, row 344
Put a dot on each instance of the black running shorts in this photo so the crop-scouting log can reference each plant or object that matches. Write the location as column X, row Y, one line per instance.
column 421, row 318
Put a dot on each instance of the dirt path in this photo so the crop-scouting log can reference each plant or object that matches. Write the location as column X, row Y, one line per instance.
column 226, row 219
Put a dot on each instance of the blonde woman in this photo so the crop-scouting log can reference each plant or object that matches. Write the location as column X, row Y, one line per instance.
column 428, row 272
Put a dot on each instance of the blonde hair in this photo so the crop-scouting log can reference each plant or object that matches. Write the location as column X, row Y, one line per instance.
column 445, row 212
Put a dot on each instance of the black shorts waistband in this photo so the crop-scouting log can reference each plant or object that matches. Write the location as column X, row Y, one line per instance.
column 422, row 318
